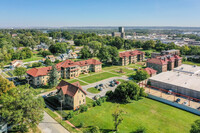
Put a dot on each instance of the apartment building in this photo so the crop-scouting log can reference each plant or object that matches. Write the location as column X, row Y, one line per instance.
column 66, row 69
column 131, row 57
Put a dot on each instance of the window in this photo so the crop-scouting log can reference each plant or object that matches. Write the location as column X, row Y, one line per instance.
column 82, row 95
column 38, row 78
column 83, row 100
column 80, row 102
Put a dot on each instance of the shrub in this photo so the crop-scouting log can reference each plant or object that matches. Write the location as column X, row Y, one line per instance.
column 36, row 64
column 109, row 95
column 90, row 105
column 83, row 108
column 94, row 103
column 70, row 115
column 98, row 102
column 81, row 124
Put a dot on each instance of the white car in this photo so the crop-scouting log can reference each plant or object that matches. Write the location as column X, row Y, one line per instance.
column 170, row 92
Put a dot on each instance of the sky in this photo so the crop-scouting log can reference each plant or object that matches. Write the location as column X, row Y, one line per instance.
column 66, row 13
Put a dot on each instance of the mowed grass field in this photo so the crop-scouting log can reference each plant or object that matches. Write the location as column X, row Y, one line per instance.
column 156, row 117
column 98, row 77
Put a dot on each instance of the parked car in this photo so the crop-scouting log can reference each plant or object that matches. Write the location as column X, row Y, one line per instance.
column 101, row 85
column 114, row 80
column 100, row 89
column 178, row 100
column 96, row 87
column 117, row 82
column 185, row 103
column 112, row 84
column 170, row 92
column 198, row 108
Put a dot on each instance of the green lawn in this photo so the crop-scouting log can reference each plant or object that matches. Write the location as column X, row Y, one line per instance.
column 93, row 90
column 191, row 63
column 156, row 117
column 125, row 71
column 35, row 57
column 43, row 89
column 75, row 80
column 98, row 77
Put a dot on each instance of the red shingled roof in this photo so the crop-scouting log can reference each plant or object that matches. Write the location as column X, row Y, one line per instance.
column 130, row 53
column 161, row 60
column 156, row 61
column 150, row 71
column 35, row 72
column 70, row 88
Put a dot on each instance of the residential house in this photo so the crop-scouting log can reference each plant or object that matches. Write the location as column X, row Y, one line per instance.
column 66, row 69
column 42, row 46
column 130, row 57
column 71, row 94
column 16, row 63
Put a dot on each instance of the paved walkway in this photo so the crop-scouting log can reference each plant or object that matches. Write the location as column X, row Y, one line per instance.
column 49, row 125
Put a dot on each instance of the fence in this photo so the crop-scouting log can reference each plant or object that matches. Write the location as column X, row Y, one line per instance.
column 186, row 108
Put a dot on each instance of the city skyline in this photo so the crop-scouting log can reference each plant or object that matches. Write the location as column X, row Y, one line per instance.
column 65, row 13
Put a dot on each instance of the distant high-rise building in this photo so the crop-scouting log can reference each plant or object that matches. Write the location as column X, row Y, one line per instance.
column 121, row 29
column 121, row 33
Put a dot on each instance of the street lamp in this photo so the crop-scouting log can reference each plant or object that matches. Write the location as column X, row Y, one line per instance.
column 62, row 99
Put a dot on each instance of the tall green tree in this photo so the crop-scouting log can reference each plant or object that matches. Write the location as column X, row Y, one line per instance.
column 95, row 46
column 21, row 108
column 53, row 77
column 5, row 85
column 20, row 71
column 195, row 128
column 104, row 54
column 127, row 91
column 117, row 118
column 114, row 54
column 140, row 75
column 85, row 52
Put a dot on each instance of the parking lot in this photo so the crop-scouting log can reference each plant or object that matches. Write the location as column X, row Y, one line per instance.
column 106, row 86
column 173, row 98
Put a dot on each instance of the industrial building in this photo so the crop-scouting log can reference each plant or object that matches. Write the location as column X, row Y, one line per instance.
column 184, row 80
column 121, row 33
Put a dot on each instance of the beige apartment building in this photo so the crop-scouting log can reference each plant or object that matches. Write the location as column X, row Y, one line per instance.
column 71, row 94
column 66, row 69
column 131, row 57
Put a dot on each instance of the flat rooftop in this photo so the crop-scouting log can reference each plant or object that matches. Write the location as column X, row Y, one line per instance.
column 190, row 69
column 178, row 79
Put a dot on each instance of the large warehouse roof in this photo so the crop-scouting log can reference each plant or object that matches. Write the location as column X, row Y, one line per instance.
column 178, row 79
column 190, row 69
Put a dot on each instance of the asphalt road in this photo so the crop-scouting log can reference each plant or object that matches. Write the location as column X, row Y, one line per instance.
column 49, row 125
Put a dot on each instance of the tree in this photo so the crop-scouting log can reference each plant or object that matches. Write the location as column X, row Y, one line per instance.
column 118, row 42
column 117, row 118
column 20, row 71
column 95, row 46
column 195, row 128
column 21, row 108
column 104, row 54
column 114, row 54
column 140, row 75
column 45, row 53
column 150, row 44
column 95, row 129
column 85, row 52
column 36, row 64
column 5, row 85
column 58, row 48
column 127, row 91
column 47, row 62
column 53, row 77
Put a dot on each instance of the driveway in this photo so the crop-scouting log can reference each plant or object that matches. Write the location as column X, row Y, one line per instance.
column 49, row 125
column 103, row 92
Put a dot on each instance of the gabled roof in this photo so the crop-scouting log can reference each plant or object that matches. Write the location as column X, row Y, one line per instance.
column 130, row 53
column 156, row 61
column 70, row 88
column 150, row 71
column 35, row 72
